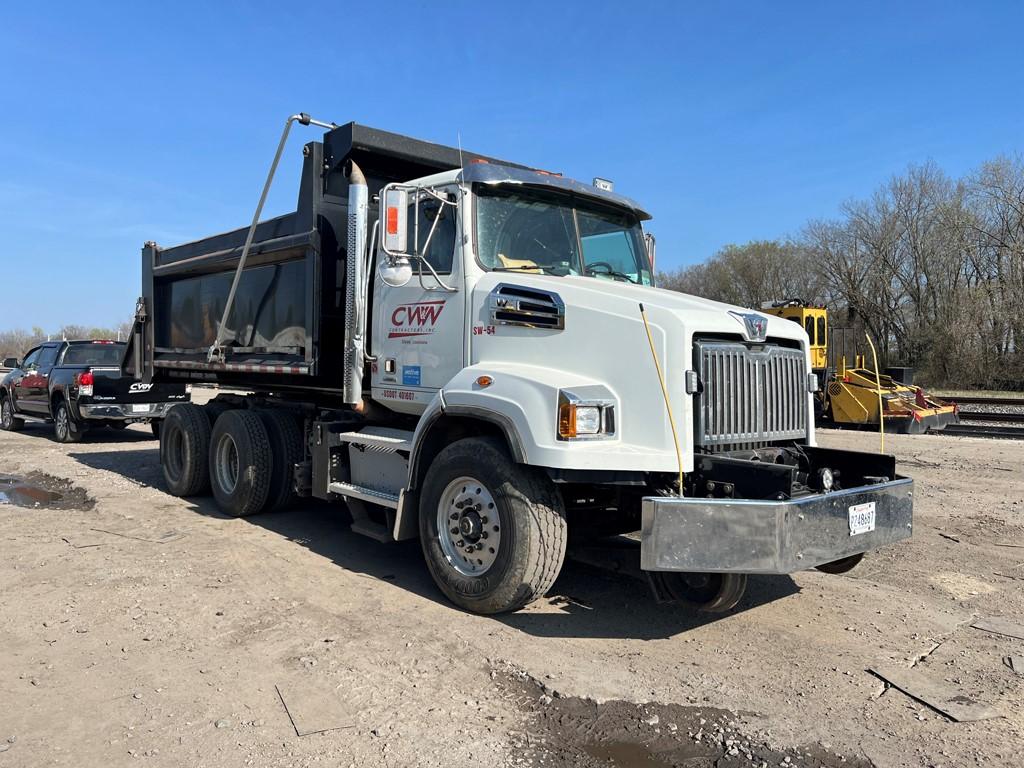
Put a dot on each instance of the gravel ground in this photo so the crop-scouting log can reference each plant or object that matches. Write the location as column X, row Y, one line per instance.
column 140, row 628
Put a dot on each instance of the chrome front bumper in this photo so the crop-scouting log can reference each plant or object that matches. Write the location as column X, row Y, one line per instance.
column 752, row 536
column 124, row 411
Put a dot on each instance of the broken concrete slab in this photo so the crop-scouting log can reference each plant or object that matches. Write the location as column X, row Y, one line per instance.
column 1000, row 626
column 314, row 709
column 935, row 693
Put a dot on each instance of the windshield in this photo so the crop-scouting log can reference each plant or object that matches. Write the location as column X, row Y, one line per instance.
column 94, row 354
column 525, row 230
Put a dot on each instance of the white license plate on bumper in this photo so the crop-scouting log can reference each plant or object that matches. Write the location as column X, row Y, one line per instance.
column 862, row 518
column 140, row 408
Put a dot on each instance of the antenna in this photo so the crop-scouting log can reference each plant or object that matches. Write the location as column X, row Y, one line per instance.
column 462, row 164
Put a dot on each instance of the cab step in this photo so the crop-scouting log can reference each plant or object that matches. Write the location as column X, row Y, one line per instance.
column 360, row 493
column 380, row 439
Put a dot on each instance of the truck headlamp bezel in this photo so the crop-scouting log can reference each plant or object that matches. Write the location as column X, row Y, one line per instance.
column 582, row 416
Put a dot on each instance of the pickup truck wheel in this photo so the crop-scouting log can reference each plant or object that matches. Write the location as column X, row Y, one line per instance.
column 65, row 429
column 286, row 451
column 154, row 427
column 8, row 421
column 709, row 592
column 184, row 450
column 240, row 463
column 493, row 532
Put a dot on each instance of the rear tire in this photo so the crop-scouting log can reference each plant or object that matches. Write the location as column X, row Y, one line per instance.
column 708, row 592
column 8, row 421
column 184, row 450
column 241, row 463
column 65, row 429
column 474, row 493
column 154, row 427
column 286, row 450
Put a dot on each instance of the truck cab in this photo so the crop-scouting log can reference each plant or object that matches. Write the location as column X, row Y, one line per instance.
column 486, row 363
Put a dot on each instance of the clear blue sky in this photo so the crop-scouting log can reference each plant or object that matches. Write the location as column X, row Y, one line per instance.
column 121, row 123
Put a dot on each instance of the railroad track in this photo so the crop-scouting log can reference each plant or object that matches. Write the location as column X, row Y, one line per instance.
column 1000, row 416
column 979, row 400
column 981, row 430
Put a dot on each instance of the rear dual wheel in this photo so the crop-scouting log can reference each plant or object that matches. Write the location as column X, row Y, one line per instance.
column 184, row 450
column 241, row 463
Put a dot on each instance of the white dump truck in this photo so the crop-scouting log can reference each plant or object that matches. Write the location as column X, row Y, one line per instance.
column 474, row 353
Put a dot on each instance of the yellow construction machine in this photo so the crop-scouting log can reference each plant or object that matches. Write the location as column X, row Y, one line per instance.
column 856, row 395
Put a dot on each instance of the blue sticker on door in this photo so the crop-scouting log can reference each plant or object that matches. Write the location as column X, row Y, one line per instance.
column 411, row 375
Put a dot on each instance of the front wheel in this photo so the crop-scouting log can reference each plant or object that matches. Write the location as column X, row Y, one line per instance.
column 65, row 430
column 493, row 532
column 8, row 421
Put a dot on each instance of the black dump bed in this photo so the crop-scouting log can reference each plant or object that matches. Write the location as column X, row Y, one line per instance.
column 286, row 327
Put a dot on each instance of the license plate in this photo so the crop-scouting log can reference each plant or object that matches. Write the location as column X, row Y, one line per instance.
column 143, row 408
column 862, row 518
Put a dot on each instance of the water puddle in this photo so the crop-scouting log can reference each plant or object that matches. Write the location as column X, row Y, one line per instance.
column 41, row 491
column 625, row 754
column 570, row 732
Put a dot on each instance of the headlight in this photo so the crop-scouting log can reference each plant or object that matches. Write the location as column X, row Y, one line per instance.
column 588, row 420
column 580, row 418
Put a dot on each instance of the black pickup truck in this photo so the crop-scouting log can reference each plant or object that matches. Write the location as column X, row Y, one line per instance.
column 78, row 385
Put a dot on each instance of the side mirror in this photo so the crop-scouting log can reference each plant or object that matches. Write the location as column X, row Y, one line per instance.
column 12, row 362
column 652, row 245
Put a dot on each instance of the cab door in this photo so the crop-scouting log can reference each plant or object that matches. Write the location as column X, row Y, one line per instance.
column 37, row 385
column 419, row 328
column 22, row 382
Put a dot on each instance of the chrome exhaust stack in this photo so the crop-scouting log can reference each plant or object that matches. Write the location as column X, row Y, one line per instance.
column 355, row 278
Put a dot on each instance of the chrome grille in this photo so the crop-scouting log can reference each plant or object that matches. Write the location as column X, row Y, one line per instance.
column 749, row 396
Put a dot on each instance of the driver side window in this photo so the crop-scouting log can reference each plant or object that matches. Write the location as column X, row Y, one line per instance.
column 439, row 252
column 31, row 359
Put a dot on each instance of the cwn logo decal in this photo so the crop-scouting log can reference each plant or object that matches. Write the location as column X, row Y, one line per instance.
column 140, row 387
column 416, row 319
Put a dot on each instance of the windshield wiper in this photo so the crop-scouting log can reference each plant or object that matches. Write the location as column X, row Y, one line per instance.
column 535, row 267
column 611, row 273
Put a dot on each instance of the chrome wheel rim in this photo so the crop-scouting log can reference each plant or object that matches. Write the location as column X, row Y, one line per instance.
column 62, row 422
column 227, row 463
column 5, row 413
column 468, row 528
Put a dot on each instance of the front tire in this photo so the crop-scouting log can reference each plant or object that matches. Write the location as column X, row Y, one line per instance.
column 8, row 421
column 65, row 429
column 493, row 532
column 240, row 463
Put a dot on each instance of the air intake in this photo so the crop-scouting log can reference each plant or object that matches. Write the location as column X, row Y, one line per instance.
column 529, row 307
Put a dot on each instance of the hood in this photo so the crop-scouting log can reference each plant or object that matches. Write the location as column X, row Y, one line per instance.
column 699, row 314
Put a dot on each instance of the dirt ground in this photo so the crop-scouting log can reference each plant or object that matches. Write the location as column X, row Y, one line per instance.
column 136, row 627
